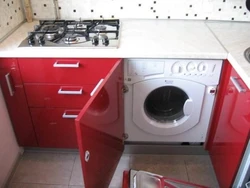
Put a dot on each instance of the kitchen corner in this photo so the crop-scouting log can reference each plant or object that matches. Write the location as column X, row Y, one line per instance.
column 168, row 94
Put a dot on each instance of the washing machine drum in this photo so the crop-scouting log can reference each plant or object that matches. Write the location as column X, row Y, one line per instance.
column 167, row 107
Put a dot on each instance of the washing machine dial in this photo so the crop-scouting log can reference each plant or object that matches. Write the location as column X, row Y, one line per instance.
column 190, row 66
column 177, row 68
column 202, row 67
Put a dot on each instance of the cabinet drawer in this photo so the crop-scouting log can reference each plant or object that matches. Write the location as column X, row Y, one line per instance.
column 66, row 71
column 68, row 96
column 55, row 127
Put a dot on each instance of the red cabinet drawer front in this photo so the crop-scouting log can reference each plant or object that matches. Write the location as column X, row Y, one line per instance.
column 65, row 71
column 7, row 63
column 52, row 130
column 57, row 95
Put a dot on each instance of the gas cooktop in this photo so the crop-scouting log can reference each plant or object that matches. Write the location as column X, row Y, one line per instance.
column 71, row 33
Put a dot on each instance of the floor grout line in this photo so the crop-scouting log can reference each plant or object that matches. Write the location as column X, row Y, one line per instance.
column 72, row 170
column 186, row 170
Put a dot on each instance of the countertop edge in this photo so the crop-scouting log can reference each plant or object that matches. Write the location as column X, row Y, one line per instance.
column 239, row 70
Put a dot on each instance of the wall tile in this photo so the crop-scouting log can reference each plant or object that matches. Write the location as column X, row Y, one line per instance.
column 11, row 15
column 11, row 11
column 150, row 9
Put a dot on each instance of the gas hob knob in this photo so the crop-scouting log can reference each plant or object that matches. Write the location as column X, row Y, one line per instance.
column 105, row 41
column 41, row 41
column 31, row 41
column 95, row 40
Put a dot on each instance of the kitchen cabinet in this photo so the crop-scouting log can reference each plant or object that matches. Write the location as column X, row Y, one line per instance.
column 55, row 127
column 62, row 96
column 100, row 128
column 56, row 90
column 231, row 124
column 63, row 71
column 14, row 94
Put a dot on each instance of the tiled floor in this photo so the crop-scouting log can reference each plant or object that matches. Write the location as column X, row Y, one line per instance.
column 63, row 170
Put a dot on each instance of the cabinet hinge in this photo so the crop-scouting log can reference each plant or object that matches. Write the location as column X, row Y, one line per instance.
column 125, row 89
column 124, row 136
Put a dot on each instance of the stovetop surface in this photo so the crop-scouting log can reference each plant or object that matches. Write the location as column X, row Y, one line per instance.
column 71, row 33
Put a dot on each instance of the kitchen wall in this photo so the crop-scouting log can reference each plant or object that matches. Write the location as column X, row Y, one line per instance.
column 11, row 15
column 9, row 150
column 152, row 9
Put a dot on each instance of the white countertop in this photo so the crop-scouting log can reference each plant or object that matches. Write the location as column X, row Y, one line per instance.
column 138, row 39
column 155, row 39
column 235, row 37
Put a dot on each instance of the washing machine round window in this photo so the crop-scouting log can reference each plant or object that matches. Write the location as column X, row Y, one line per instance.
column 165, row 104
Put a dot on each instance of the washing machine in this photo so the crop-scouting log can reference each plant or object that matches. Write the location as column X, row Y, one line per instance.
column 169, row 100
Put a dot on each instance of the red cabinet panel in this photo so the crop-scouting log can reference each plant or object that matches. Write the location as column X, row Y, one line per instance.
column 64, row 71
column 232, row 125
column 44, row 95
column 17, row 106
column 8, row 63
column 55, row 127
column 100, row 128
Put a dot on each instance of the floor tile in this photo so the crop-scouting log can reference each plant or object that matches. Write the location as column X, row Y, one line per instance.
column 76, row 177
column 44, row 168
column 24, row 185
column 76, row 186
column 124, row 164
column 172, row 166
column 200, row 171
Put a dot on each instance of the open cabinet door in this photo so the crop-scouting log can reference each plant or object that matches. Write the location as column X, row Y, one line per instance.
column 231, row 127
column 100, row 129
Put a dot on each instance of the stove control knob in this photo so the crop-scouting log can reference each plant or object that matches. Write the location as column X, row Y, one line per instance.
column 31, row 41
column 105, row 40
column 95, row 40
column 41, row 41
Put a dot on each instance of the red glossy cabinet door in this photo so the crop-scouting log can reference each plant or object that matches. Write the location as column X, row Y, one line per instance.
column 15, row 98
column 100, row 128
column 232, row 122
column 55, row 127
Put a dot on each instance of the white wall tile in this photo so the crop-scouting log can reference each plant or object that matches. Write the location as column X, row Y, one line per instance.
column 11, row 14
column 150, row 9
column 44, row 9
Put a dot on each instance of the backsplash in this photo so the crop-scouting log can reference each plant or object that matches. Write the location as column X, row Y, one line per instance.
column 11, row 15
column 150, row 9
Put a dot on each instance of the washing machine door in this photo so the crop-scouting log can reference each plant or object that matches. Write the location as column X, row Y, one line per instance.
column 167, row 106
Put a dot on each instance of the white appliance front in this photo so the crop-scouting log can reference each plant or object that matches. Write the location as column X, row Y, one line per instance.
column 168, row 100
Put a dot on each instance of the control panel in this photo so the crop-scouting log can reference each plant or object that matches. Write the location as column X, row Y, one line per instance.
column 193, row 68
column 198, row 70
column 145, row 68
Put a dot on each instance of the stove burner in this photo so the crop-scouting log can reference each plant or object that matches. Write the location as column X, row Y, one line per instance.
column 100, row 28
column 83, row 33
column 50, row 28
column 71, row 39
